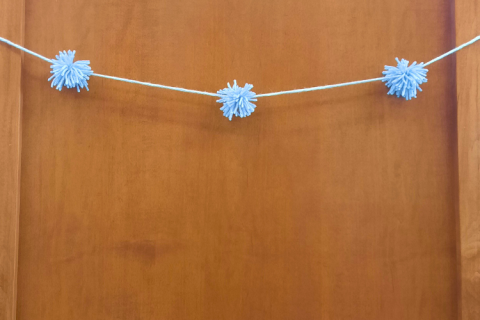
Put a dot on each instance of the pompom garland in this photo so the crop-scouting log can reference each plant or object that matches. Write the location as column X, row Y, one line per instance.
column 404, row 80
column 67, row 73
column 237, row 100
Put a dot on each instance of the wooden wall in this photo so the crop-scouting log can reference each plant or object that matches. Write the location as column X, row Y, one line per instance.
column 11, row 26
column 468, row 64
column 139, row 203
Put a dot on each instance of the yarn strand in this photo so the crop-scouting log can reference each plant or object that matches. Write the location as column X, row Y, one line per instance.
column 25, row 49
column 255, row 96
column 148, row 84
column 460, row 47
column 330, row 86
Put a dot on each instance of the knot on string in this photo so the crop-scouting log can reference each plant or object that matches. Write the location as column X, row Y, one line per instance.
column 67, row 73
column 404, row 80
column 237, row 100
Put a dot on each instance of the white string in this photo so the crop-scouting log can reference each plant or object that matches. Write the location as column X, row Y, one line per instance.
column 317, row 88
column 155, row 85
column 256, row 96
column 24, row 49
column 460, row 47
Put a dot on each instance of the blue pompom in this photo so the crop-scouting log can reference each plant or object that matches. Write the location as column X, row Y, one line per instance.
column 237, row 100
column 67, row 73
column 404, row 80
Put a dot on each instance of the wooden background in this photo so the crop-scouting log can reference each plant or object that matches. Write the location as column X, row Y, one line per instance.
column 139, row 203
column 468, row 64
column 11, row 27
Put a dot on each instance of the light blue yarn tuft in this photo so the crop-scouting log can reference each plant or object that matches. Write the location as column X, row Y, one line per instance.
column 67, row 73
column 237, row 100
column 404, row 80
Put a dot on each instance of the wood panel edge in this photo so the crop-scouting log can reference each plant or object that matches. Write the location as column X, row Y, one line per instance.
column 12, row 26
column 468, row 124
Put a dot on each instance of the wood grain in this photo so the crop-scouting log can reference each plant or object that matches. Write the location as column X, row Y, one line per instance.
column 11, row 26
column 468, row 99
column 139, row 203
